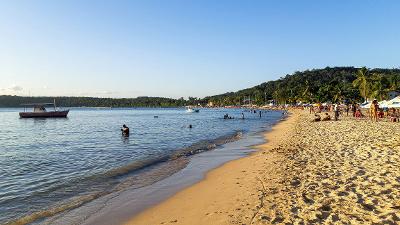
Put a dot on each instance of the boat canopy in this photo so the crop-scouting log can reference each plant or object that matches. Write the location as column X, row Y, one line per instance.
column 38, row 107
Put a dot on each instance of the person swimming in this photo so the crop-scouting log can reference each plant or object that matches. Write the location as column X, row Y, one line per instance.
column 125, row 130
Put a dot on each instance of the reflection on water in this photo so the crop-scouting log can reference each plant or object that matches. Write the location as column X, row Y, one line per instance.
column 125, row 139
column 63, row 162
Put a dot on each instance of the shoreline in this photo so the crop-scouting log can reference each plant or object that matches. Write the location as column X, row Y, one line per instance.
column 220, row 189
column 329, row 172
column 118, row 207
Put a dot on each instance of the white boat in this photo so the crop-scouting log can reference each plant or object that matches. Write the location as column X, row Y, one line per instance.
column 191, row 110
column 39, row 111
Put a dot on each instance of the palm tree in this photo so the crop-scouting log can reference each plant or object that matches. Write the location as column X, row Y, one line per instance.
column 362, row 82
column 279, row 95
column 338, row 93
column 306, row 94
column 378, row 90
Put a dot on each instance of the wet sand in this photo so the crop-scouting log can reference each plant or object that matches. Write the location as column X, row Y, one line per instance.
column 345, row 171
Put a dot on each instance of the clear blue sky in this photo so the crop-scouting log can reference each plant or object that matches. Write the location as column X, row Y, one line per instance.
column 185, row 48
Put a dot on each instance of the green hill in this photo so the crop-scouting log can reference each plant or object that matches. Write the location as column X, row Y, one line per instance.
column 318, row 85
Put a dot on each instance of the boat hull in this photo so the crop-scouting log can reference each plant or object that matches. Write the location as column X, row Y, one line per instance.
column 54, row 114
column 192, row 110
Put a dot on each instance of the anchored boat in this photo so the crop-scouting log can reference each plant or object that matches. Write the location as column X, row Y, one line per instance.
column 192, row 110
column 40, row 111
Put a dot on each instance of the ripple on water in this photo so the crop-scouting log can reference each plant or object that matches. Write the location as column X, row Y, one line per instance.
column 55, row 164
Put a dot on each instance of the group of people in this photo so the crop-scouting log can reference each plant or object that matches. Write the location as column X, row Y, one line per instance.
column 318, row 118
column 125, row 130
column 226, row 116
column 376, row 112
column 335, row 108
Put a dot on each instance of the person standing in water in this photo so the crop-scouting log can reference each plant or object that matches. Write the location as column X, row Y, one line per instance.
column 125, row 130
column 260, row 113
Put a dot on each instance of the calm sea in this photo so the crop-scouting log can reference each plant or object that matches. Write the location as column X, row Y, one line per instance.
column 50, row 166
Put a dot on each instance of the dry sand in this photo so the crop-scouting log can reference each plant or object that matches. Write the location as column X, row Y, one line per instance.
column 345, row 171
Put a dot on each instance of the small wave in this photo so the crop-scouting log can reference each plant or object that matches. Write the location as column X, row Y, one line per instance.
column 201, row 146
column 134, row 166
column 54, row 210
column 172, row 159
column 206, row 145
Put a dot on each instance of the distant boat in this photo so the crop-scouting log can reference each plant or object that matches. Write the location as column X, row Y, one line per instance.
column 191, row 110
column 39, row 111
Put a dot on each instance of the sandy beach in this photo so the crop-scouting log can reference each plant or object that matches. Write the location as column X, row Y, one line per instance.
column 343, row 171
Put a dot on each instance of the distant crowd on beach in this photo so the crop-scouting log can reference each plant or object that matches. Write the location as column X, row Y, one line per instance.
column 375, row 112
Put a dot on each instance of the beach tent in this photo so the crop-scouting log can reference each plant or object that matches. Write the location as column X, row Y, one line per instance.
column 394, row 103
column 383, row 104
column 366, row 105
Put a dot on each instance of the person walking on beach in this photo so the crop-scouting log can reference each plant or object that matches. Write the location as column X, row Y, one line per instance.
column 354, row 109
column 125, row 130
column 373, row 109
column 336, row 109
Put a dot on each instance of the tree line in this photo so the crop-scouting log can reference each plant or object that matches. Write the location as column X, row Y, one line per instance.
column 17, row 101
column 337, row 84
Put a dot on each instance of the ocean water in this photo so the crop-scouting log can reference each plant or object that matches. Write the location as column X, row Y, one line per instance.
column 52, row 166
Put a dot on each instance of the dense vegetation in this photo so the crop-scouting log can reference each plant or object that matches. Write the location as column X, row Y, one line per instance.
column 318, row 85
column 16, row 101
